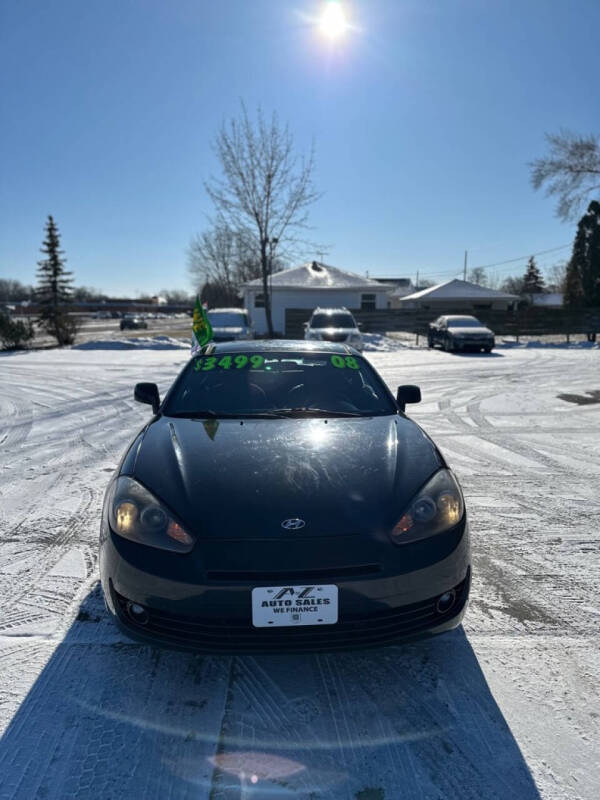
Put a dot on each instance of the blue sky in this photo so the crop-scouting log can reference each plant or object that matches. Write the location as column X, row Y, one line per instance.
column 424, row 117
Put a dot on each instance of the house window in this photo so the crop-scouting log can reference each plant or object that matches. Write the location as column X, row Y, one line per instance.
column 368, row 302
column 259, row 301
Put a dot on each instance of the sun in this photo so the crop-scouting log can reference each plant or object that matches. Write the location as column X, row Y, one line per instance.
column 332, row 23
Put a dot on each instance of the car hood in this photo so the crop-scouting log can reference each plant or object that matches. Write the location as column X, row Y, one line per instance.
column 330, row 331
column 481, row 331
column 228, row 479
column 229, row 329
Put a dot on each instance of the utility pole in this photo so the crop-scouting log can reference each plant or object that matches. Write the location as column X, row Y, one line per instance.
column 417, row 289
column 465, row 268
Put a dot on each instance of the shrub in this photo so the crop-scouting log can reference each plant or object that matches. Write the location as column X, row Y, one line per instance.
column 14, row 333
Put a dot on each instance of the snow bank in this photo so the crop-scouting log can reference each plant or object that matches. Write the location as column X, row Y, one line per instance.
column 135, row 343
column 373, row 342
column 377, row 342
column 511, row 342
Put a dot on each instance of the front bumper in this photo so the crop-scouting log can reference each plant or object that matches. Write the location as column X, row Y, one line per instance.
column 376, row 606
column 472, row 344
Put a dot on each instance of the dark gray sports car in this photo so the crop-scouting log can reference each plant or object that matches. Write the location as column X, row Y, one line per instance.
column 280, row 499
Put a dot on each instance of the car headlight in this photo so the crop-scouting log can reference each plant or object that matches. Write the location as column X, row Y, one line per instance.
column 135, row 514
column 438, row 507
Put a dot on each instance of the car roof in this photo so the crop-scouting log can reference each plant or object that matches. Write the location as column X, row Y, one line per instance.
column 460, row 316
column 277, row 345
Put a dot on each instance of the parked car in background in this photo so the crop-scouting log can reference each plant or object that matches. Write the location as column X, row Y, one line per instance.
column 334, row 325
column 454, row 332
column 132, row 323
column 230, row 324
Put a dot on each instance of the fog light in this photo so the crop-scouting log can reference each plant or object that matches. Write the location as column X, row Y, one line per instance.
column 137, row 613
column 445, row 602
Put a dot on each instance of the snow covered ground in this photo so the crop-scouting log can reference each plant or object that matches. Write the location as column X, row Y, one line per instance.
column 507, row 707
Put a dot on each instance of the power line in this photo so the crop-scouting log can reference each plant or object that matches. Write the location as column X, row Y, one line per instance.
column 521, row 258
column 458, row 272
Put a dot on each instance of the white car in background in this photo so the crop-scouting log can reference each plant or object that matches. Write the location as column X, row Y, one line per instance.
column 334, row 325
column 230, row 324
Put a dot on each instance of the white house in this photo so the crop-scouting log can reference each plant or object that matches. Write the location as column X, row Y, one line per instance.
column 547, row 299
column 308, row 286
column 455, row 294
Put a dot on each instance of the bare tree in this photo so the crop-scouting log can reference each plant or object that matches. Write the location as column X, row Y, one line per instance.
column 12, row 290
column 571, row 171
column 265, row 188
column 556, row 275
column 513, row 284
column 478, row 275
column 213, row 258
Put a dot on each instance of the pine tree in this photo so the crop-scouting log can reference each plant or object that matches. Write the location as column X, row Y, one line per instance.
column 573, row 297
column 582, row 287
column 533, row 282
column 53, row 291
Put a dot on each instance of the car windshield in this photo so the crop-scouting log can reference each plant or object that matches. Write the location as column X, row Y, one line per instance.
column 276, row 384
column 464, row 322
column 332, row 321
column 227, row 319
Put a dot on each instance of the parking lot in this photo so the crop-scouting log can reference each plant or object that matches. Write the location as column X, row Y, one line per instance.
column 506, row 706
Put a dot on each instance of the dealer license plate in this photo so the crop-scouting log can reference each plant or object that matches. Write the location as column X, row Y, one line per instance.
column 274, row 606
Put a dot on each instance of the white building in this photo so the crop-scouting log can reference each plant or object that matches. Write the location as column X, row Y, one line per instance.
column 455, row 294
column 399, row 286
column 547, row 299
column 308, row 286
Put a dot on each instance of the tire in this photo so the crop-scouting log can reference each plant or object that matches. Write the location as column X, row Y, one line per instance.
column 487, row 349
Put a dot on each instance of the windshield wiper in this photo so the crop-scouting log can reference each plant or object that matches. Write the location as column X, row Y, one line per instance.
column 206, row 414
column 209, row 413
column 275, row 413
column 307, row 411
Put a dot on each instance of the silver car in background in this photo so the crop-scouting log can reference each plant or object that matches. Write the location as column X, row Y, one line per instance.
column 230, row 324
column 334, row 325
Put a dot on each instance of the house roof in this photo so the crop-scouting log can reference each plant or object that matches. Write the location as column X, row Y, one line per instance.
column 458, row 290
column 316, row 275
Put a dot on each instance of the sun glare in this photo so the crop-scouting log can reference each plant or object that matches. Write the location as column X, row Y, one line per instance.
column 332, row 23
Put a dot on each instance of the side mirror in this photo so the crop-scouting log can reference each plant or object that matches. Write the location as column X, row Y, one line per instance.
column 407, row 394
column 147, row 393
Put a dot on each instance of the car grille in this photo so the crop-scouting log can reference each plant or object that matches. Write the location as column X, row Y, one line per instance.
column 334, row 337
column 236, row 636
column 279, row 578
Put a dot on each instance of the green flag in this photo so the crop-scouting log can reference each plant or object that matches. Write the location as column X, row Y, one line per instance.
column 202, row 331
